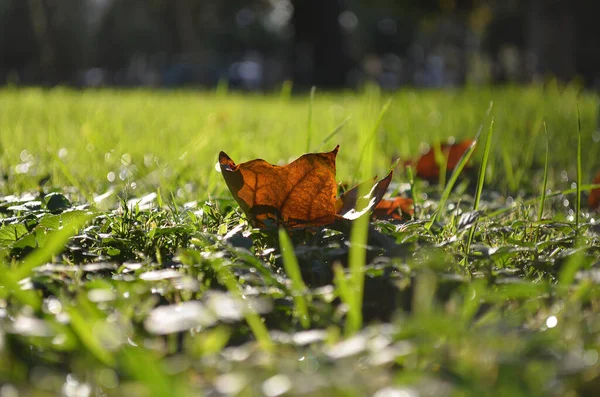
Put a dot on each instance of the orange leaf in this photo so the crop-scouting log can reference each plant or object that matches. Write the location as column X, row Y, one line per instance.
column 347, row 202
column 594, row 197
column 298, row 194
column 394, row 208
column 427, row 167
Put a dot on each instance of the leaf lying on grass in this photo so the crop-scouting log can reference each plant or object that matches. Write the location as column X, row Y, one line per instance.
column 300, row 194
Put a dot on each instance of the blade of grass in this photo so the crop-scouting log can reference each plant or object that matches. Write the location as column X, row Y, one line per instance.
column 544, row 184
column 309, row 128
column 341, row 283
column 579, row 176
column 356, row 263
column 357, row 254
column 367, row 144
column 335, row 131
column 457, row 170
column 290, row 264
column 480, row 182
column 286, row 90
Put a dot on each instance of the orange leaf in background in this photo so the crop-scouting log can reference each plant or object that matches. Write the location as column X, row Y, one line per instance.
column 594, row 197
column 394, row 208
column 302, row 193
column 427, row 167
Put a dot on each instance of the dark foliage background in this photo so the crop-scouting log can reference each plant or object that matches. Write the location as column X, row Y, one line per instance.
column 329, row 43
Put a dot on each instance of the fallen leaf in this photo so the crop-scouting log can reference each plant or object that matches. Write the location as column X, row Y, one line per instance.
column 394, row 208
column 594, row 197
column 302, row 193
column 426, row 166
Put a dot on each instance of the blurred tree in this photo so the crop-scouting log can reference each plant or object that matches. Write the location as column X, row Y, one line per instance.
column 60, row 30
column 319, row 56
column 18, row 46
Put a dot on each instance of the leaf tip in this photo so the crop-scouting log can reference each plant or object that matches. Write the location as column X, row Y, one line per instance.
column 226, row 162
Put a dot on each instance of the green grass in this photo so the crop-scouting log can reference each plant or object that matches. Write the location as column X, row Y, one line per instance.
column 127, row 269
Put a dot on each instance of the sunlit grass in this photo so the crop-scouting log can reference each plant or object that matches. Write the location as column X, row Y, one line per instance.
column 174, row 293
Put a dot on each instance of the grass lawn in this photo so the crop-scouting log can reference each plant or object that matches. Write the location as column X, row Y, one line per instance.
column 127, row 268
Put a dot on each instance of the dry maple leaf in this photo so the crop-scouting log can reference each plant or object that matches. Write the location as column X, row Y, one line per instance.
column 426, row 166
column 302, row 193
column 594, row 197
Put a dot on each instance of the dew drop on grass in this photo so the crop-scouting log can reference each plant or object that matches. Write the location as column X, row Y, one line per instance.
column 9, row 390
column 551, row 322
column 108, row 378
column 111, row 176
column 396, row 392
column 276, row 385
column 22, row 168
column 148, row 159
column 74, row 388
column 178, row 317
column 126, row 159
column 590, row 357
column 231, row 383
column 24, row 155
column 63, row 153
column 52, row 305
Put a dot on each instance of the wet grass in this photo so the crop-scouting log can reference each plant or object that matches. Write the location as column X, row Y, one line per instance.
column 127, row 269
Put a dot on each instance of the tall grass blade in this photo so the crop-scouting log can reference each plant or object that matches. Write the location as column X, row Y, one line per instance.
column 290, row 264
column 335, row 131
column 286, row 90
column 357, row 257
column 367, row 144
column 457, row 170
column 341, row 284
column 309, row 127
column 357, row 254
column 480, row 181
column 579, row 176
column 544, row 184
